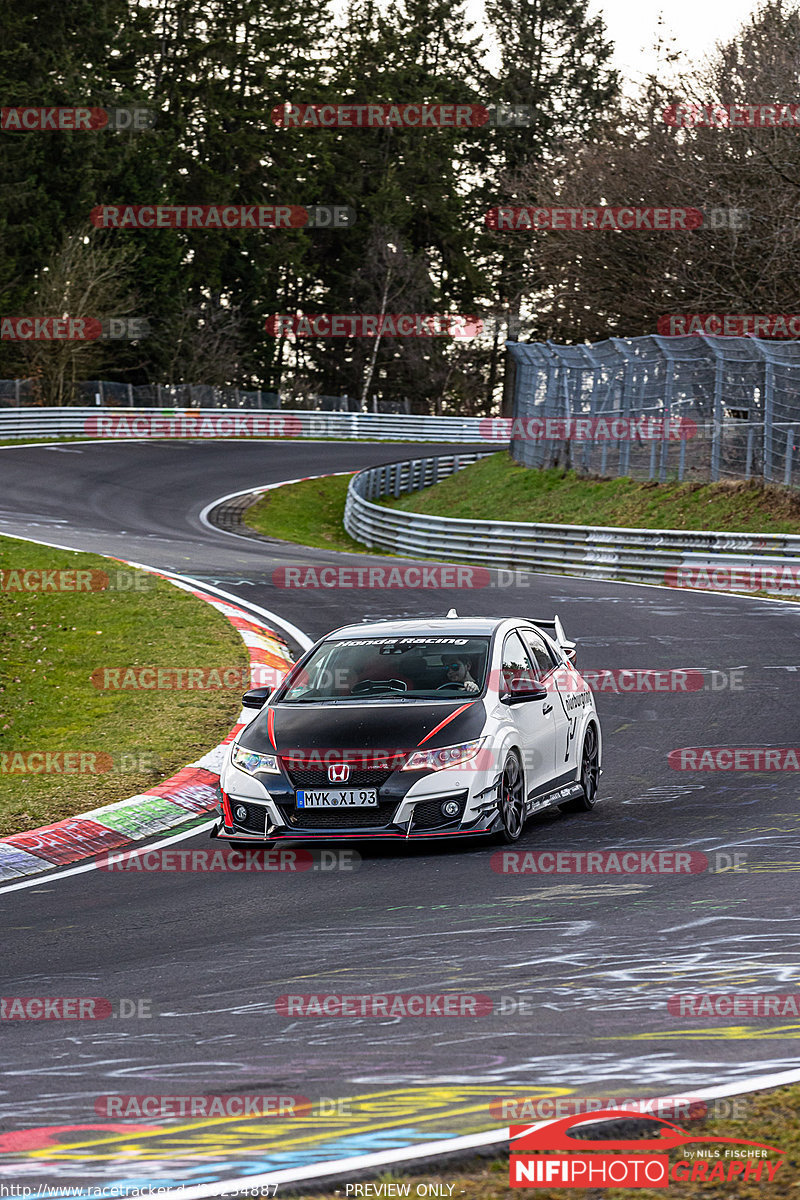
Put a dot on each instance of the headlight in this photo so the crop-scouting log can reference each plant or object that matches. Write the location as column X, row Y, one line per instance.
column 252, row 763
column 448, row 756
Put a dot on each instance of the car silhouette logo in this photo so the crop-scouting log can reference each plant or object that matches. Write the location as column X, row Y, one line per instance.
column 338, row 773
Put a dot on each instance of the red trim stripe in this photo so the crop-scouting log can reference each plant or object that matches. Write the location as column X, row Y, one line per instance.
column 271, row 726
column 446, row 721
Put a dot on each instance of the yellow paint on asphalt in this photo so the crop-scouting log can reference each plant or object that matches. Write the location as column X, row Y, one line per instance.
column 443, row 1105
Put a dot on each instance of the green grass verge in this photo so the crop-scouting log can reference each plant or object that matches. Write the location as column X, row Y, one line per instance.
column 773, row 1119
column 497, row 488
column 309, row 513
column 52, row 641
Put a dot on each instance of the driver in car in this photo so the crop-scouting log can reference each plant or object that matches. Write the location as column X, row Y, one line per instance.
column 458, row 672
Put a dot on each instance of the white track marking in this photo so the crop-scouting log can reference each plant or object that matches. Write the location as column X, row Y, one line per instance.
column 410, row 1154
column 41, row 880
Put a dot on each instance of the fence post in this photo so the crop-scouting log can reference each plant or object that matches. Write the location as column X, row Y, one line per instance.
column 748, row 465
column 624, row 449
column 130, row 395
column 682, row 461
column 666, row 416
column 716, row 435
column 769, row 406
column 787, row 470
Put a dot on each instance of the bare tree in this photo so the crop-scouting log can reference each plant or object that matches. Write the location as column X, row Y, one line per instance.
column 202, row 344
column 88, row 278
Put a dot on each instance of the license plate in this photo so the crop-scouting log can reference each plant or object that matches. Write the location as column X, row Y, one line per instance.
column 349, row 798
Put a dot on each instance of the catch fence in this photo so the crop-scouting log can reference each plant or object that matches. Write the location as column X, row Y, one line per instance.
column 688, row 408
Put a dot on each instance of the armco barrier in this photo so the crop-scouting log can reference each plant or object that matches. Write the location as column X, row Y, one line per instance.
column 645, row 555
column 127, row 423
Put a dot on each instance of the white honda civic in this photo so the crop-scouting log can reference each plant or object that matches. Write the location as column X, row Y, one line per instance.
column 454, row 727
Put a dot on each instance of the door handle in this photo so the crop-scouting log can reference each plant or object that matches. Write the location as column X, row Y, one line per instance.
column 548, row 708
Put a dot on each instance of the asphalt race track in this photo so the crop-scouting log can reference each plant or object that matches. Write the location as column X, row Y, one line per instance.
column 580, row 966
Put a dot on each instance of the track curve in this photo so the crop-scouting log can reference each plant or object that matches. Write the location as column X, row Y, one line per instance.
column 594, row 959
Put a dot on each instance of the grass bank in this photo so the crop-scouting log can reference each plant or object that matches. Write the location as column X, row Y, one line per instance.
column 52, row 643
column 497, row 488
column 309, row 513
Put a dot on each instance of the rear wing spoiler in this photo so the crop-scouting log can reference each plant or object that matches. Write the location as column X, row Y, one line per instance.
column 555, row 630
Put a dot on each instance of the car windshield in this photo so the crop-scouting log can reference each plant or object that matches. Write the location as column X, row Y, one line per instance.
column 420, row 668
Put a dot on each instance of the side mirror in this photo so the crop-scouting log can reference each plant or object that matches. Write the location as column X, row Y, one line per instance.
column 531, row 693
column 256, row 697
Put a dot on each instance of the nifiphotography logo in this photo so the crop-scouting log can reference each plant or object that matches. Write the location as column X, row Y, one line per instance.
column 532, row 1165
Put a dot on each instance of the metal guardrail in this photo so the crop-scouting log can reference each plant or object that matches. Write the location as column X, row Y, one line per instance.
column 639, row 555
column 126, row 423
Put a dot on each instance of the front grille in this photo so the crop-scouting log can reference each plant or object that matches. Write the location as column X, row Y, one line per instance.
column 317, row 777
column 256, row 819
column 376, row 817
column 429, row 815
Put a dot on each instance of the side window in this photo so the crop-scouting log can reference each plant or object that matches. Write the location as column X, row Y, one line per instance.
column 518, row 674
column 537, row 648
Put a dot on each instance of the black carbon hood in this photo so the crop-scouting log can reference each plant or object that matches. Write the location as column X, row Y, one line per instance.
column 375, row 726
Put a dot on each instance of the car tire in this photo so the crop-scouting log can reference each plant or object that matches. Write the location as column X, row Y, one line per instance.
column 589, row 776
column 511, row 812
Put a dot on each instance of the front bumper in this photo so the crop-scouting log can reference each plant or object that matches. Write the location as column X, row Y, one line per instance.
column 401, row 820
